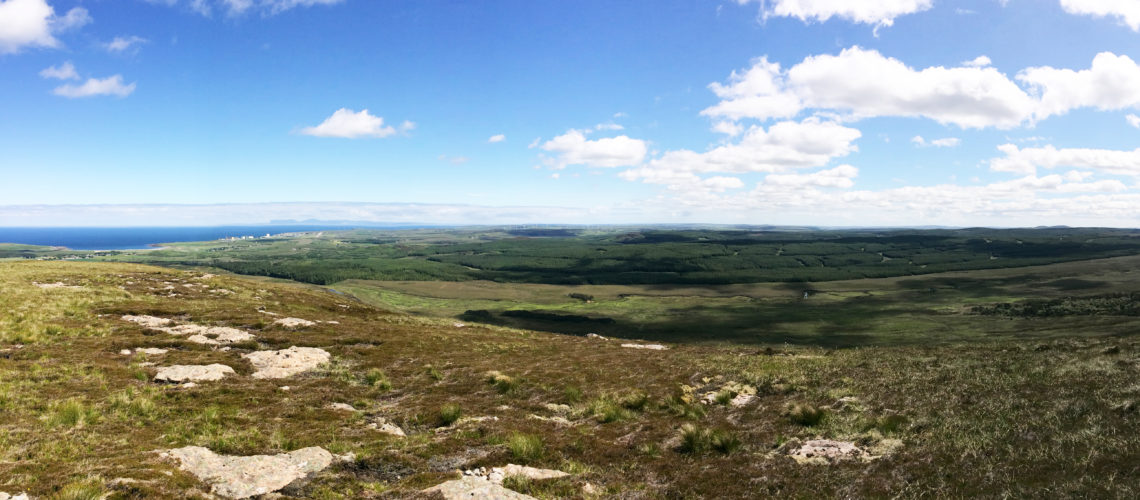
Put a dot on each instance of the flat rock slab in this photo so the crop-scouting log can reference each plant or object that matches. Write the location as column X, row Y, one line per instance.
column 49, row 286
column 293, row 322
column 148, row 321
column 193, row 373
column 498, row 474
column 18, row 496
column 286, row 362
column 200, row 334
column 243, row 477
column 824, row 451
column 474, row 488
column 651, row 347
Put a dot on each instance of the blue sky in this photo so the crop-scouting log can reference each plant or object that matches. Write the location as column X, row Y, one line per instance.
column 887, row 112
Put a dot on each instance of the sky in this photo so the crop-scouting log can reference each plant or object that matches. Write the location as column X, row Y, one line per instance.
column 803, row 112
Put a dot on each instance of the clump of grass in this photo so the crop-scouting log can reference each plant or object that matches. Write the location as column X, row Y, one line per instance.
column 517, row 483
column 725, row 396
column 449, row 414
column 634, row 400
column 806, row 415
column 607, row 410
column 680, row 407
column 572, row 394
column 889, row 424
column 88, row 489
column 696, row 440
column 134, row 405
column 378, row 379
column 651, row 450
column 503, row 383
column 525, row 447
column 434, row 373
column 72, row 413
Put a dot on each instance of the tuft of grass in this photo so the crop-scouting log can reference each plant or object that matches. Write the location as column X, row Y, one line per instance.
column 678, row 406
column 889, row 424
column 696, row 440
column 517, row 483
column 72, row 413
column 572, row 394
column 503, row 383
column 134, row 405
column 88, row 489
column 434, row 373
column 378, row 379
column 525, row 447
column 634, row 400
column 806, row 415
column 606, row 410
column 449, row 414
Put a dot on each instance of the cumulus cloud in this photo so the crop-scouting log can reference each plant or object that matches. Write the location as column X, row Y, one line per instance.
column 497, row 138
column 33, row 23
column 348, row 124
column 1112, row 82
column 122, row 44
column 65, row 71
column 860, row 83
column 863, row 83
column 573, row 148
column 875, row 12
column 978, row 62
column 1133, row 120
column 110, row 86
column 946, row 142
column 1126, row 11
column 1028, row 160
column 838, row 177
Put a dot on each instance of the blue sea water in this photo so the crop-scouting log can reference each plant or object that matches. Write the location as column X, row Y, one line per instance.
column 130, row 238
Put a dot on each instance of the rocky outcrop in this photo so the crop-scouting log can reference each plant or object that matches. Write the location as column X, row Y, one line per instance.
column 498, row 474
column 293, row 322
column 200, row 334
column 286, row 362
column 192, row 373
column 650, row 347
column 244, row 477
column 474, row 488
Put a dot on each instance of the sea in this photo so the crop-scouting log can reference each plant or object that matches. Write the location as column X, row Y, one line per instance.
column 134, row 238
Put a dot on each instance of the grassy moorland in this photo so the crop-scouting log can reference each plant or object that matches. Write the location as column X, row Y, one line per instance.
column 1052, row 412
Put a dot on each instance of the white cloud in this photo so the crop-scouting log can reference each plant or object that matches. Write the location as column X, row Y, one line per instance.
column 497, row 138
column 946, row 142
column 111, row 86
column 838, row 177
column 731, row 129
column 863, row 83
column 239, row 7
column 608, row 126
column 1112, row 82
column 876, row 12
column 978, row 62
column 1133, row 120
column 65, row 71
column 1128, row 11
column 349, row 124
column 1028, row 160
column 572, row 148
column 124, row 43
column 33, row 23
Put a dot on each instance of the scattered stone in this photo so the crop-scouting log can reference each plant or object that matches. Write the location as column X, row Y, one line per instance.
column 147, row 363
column 332, row 322
column 341, row 407
column 193, row 373
column 651, row 347
column 595, row 336
column 210, row 335
column 741, row 400
column 589, row 489
column 18, row 496
column 125, row 352
column 151, row 351
column 244, row 477
column 382, row 425
column 458, row 325
column 284, row 388
column 470, row 487
column 475, row 420
column 554, row 420
column 293, row 322
column 189, row 385
column 557, row 408
column 286, row 362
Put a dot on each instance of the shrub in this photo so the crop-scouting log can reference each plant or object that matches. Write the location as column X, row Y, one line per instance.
column 525, row 447
column 449, row 414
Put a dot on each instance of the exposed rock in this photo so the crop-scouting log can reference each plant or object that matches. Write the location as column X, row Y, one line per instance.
column 741, row 400
column 382, row 425
column 595, row 336
column 125, row 352
column 293, row 322
column 474, row 488
column 211, row 335
column 651, row 347
column 286, row 362
column 151, row 351
column 458, row 325
column 589, row 489
column 557, row 408
column 148, row 321
column 48, row 286
column 195, row 373
column 243, row 477
column 555, row 420
column 17, row 496
column 825, row 451
column 497, row 474
column 340, row 407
